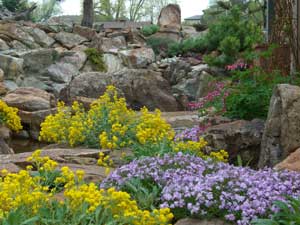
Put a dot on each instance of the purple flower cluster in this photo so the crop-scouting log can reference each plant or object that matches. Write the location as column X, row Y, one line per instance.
column 204, row 188
column 192, row 134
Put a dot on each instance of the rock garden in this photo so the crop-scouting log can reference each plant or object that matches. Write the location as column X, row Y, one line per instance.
column 159, row 125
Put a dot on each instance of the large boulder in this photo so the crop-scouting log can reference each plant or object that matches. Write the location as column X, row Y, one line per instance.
column 238, row 138
column 137, row 58
column 30, row 99
column 140, row 87
column 169, row 22
column 281, row 135
column 69, row 40
column 39, row 36
column 170, row 17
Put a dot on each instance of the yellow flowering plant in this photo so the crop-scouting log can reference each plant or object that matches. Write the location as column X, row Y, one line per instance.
column 110, row 124
column 9, row 117
column 46, row 171
column 23, row 197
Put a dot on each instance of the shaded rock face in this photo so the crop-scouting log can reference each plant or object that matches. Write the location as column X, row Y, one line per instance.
column 140, row 88
column 282, row 132
column 238, row 138
column 292, row 162
column 4, row 136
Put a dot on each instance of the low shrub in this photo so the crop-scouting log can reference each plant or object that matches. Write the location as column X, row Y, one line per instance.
column 160, row 45
column 149, row 30
column 96, row 58
column 251, row 93
column 9, row 117
column 193, row 187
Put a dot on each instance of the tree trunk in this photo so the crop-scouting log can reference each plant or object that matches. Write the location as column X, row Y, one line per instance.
column 88, row 13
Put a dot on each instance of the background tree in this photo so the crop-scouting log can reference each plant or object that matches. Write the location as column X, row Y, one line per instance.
column 88, row 13
column 45, row 10
column 14, row 5
column 110, row 9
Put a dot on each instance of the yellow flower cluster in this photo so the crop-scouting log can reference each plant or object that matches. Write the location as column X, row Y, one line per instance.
column 55, row 128
column 152, row 128
column 196, row 148
column 120, row 204
column 42, row 163
column 21, row 189
column 221, row 155
column 9, row 117
column 193, row 147
column 104, row 160
column 108, row 124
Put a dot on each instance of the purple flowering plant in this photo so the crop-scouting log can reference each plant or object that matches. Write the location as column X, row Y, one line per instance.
column 192, row 134
column 191, row 186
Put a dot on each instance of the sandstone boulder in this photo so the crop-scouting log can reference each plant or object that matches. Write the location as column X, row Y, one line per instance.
column 140, row 87
column 86, row 32
column 281, row 135
column 137, row 58
column 113, row 62
column 30, row 99
column 11, row 66
column 69, row 40
column 3, row 45
column 292, row 162
column 170, row 17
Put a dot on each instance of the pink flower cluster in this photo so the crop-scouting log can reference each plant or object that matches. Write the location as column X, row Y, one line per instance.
column 237, row 66
column 219, row 94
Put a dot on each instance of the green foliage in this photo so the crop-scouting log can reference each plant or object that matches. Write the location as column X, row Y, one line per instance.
column 189, row 45
column 230, row 35
column 96, row 58
column 152, row 149
column 15, row 5
column 149, row 30
column 159, row 45
column 289, row 213
column 57, row 213
column 146, row 192
column 250, row 97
